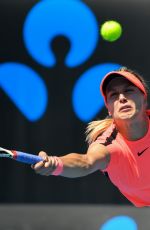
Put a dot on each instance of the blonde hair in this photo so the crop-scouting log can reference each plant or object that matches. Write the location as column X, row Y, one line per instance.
column 96, row 128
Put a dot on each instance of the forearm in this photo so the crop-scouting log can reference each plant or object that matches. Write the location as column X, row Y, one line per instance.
column 76, row 165
column 73, row 165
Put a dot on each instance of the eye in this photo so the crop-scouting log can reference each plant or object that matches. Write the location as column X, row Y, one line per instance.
column 129, row 90
column 113, row 94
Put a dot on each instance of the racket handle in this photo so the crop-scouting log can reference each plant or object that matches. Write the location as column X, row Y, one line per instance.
column 26, row 157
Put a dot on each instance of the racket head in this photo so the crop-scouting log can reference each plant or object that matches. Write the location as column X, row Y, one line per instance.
column 5, row 153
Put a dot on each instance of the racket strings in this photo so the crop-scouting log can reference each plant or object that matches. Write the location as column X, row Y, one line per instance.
column 5, row 153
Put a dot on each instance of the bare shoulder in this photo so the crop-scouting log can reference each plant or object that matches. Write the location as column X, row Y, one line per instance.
column 99, row 155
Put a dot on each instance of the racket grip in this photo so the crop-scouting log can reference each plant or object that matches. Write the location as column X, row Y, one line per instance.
column 27, row 158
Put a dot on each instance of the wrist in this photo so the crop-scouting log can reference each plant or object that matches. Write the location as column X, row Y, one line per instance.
column 59, row 166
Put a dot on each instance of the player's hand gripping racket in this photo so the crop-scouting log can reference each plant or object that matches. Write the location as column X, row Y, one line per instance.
column 20, row 156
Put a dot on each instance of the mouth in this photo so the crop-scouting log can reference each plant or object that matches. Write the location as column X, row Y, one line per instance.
column 125, row 108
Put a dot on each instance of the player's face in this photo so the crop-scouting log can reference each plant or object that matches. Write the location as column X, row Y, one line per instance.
column 124, row 100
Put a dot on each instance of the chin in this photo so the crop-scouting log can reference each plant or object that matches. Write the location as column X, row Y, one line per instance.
column 127, row 116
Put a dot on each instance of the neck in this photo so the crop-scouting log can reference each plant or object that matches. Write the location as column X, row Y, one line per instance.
column 133, row 129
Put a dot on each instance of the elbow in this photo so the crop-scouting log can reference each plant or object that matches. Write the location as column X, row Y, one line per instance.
column 88, row 163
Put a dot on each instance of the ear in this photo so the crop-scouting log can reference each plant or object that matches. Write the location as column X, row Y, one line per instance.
column 145, row 103
column 109, row 113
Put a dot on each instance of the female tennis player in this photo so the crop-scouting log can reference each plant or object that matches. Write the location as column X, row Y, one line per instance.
column 118, row 145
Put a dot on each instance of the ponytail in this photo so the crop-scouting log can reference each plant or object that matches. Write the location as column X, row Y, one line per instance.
column 96, row 128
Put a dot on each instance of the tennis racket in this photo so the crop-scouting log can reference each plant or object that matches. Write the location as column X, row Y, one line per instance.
column 20, row 156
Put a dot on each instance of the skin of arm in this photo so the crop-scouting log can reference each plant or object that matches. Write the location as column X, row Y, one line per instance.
column 75, row 164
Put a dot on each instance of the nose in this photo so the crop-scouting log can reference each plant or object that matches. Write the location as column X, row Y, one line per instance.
column 122, row 98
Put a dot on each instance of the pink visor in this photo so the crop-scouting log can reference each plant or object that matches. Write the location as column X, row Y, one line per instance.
column 129, row 76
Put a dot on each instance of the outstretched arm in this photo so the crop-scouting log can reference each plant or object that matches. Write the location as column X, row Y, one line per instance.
column 74, row 164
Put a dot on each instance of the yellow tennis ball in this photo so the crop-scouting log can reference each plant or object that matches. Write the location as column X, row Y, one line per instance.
column 111, row 31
